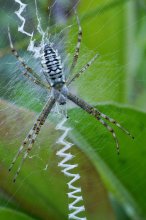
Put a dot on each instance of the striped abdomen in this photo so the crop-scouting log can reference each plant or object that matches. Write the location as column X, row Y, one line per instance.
column 52, row 66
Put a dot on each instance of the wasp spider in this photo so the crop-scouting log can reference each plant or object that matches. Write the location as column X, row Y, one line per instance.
column 59, row 87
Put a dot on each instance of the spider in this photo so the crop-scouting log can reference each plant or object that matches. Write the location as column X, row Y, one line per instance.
column 59, row 87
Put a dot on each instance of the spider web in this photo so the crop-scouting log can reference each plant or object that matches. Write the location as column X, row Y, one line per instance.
column 17, row 90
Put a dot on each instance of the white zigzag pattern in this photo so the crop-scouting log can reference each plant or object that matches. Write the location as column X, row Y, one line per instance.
column 73, row 207
column 18, row 13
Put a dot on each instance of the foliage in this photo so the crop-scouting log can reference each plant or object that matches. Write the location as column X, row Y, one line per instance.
column 113, row 186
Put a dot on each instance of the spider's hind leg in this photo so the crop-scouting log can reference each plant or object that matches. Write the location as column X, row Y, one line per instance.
column 34, row 135
column 30, row 134
column 111, row 130
column 113, row 121
column 98, row 115
column 26, row 142
column 31, row 137
column 31, row 142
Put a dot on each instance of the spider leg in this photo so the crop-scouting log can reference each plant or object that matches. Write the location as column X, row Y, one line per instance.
column 110, row 130
column 86, row 66
column 39, row 82
column 15, row 53
column 34, row 136
column 34, row 76
column 36, row 81
column 113, row 121
column 76, row 54
column 29, row 147
column 29, row 136
column 93, row 111
column 29, row 140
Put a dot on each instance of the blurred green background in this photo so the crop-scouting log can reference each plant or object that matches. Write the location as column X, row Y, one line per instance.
column 113, row 186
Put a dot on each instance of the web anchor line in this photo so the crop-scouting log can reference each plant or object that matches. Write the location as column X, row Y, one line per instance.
column 74, row 192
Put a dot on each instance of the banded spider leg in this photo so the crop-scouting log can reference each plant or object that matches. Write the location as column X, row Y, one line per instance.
column 98, row 115
column 32, row 135
column 77, row 49
column 84, row 105
column 57, row 79
column 76, row 55
column 83, row 69
column 29, row 72
column 93, row 111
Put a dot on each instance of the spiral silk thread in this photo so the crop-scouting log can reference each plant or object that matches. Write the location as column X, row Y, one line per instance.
column 22, row 19
column 75, row 192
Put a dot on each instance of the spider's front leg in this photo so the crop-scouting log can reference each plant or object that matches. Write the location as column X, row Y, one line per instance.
column 76, row 53
column 98, row 115
column 29, row 72
column 84, row 68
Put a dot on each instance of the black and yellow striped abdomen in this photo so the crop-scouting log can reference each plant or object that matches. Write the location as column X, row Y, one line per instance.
column 52, row 66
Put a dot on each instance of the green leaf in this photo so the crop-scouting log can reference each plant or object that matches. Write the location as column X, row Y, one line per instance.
column 103, row 33
column 6, row 213
column 124, row 175
column 103, row 8
column 43, row 193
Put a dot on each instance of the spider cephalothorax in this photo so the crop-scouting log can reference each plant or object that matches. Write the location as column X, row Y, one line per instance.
column 58, row 85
